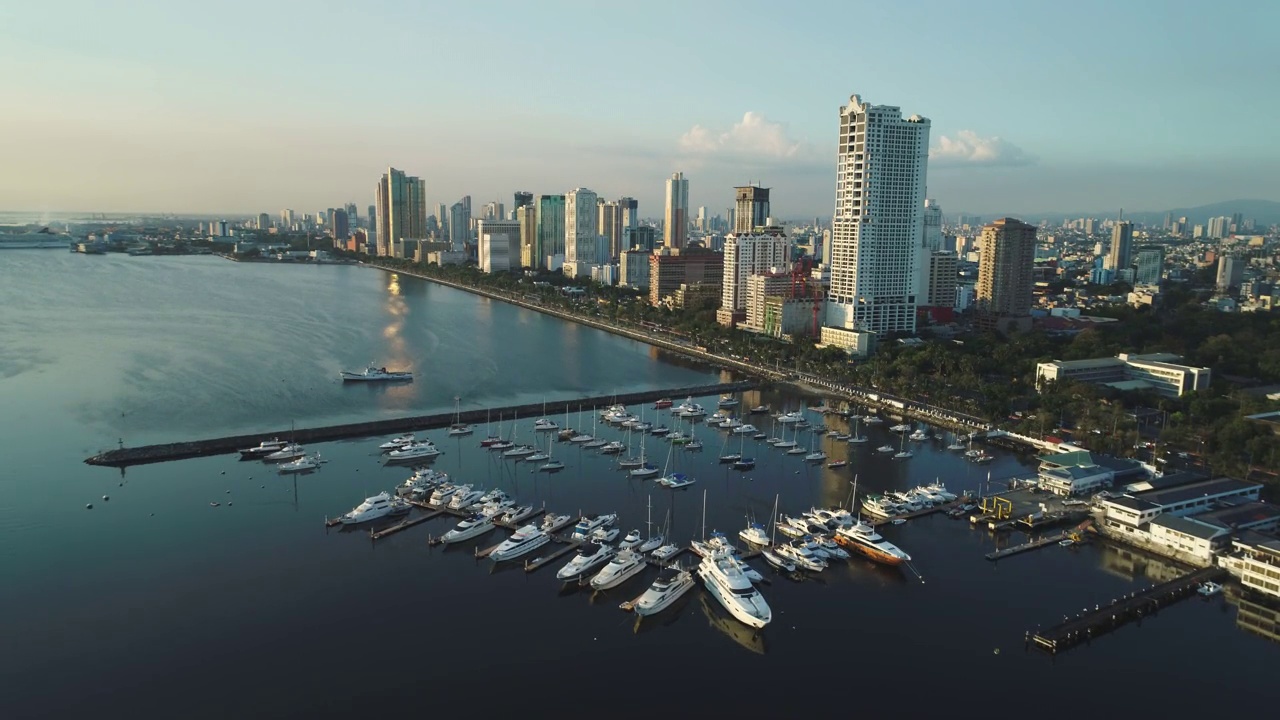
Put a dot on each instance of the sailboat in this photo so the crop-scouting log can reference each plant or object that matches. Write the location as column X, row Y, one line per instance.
column 629, row 462
column 743, row 462
column 551, row 464
column 794, row 448
column 544, row 423
column 674, row 480
column 780, row 562
column 491, row 437
column 774, row 439
column 501, row 443
column 458, row 427
column 814, row 456
column 643, row 469
column 581, row 437
column 694, row 443
column 655, row 541
column 904, row 453
column 956, row 445
column 784, row 443
column 856, row 438
column 566, row 432
column 728, row 457
column 598, row 441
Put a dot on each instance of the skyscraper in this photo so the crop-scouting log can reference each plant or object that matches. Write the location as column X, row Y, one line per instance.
column 1230, row 272
column 498, row 245
column 675, row 218
column 878, row 221
column 460, row 223
column 527, row 220
column 580, row 232
column 442, row 220
column 1005, row 269
column 944, row 273
column 630, row 210
column 401, row 210
column 751, row 209
column 341, row 224
column 264, row 221
column 550, row 240
column 522, row 199
column 932, row 226
column 1218, row 226
column 1120, row 256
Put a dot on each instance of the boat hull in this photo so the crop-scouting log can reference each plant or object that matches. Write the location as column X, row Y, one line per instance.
column 645, row 607
column 869, row 552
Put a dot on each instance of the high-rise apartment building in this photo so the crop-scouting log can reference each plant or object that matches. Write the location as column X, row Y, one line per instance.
column 264, row 221
column 669, row 270
column 878, row 221
column 1005, row 275
column 550, row 240
column 1230, row 272
column 609, row 225
column 943, row 275
column 442, row 221
column 643, row 237
column 460, row 224
column 1219, row 227
column 1120, row 255
column 675, row 217
column 932, row 226
column 401, row 210
column 499, row 245
column 764, row 250
column 630, row 210
column 580, row 232
column 527, row 220
column 1150, row 265
column 633, row 270
column 751, row 210
column 341, row 224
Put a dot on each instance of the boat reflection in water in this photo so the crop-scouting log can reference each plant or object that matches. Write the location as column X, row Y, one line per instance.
column 665, row 617
column 745, row 636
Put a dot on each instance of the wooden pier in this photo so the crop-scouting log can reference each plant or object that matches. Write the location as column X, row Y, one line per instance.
column 568, row 546
column 126, row 456
column 403, row 525
column 1105, row 618
column 1026, row 546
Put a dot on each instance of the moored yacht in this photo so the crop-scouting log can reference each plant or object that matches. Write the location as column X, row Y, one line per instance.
column 301, row 464
column 672, row 583
column 864, row 540
column 266, row 447
column 676, row 480
column 755, row 534
column 425, row 450
column 632, row 539
column 472, row 526
column 666, row 552
column 519, row 451
column 525, row 540
column 374, row 373
column 590, row 556
column 612, row 447
column 625, row 565
column 372, row 508
column 545, row 425
column 441, row 495
column 802, row 556
column 396, row 443
column 728, row 583
column 587, row 525
column 791, row 418
column 464, row 497
column 292, row 451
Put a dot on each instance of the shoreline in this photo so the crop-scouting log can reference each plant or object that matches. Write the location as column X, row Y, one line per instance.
column 805, row 384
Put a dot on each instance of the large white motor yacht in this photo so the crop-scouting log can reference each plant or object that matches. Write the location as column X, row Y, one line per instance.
column 587, row 525
column 464, row 498
column 671, row 584
column 525, row 540
column 301, row 464
column 292, row 451
column 472, row 526
column 726, row 581
column 414, row 451
column 625, row 565
column 396, row 443
column 372, row 508
column 374, row 373
column 266, row 447
column 590, row 556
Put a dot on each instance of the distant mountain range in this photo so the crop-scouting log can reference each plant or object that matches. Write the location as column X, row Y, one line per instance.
column 1263, row 213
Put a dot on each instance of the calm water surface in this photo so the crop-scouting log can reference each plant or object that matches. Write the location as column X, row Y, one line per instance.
column 154, row 604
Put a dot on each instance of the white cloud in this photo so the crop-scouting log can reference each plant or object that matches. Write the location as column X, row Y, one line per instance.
column 754, row 135
column 966, row 147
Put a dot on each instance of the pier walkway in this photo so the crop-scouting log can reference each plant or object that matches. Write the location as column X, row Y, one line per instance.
column 126, row 456
column 1105, row 618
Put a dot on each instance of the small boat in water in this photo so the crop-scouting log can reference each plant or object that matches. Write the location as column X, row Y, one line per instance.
column 373, row 373
column 302, row 464
column 396, row 443
column 837, row 464
column 1208, row 589
column 292, row 451
column 266, row 447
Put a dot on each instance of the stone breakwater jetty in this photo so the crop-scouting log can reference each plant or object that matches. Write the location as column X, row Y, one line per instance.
column 125, row 456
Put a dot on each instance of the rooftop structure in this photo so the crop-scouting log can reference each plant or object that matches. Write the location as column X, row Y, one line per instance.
column 1130, row 371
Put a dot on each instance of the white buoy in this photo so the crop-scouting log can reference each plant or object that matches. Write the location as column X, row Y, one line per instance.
column 88, row 506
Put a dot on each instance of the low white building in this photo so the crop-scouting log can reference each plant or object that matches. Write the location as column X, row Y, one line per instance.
column 1156, row 371
column 1256, row 561
column 1083, row 473
column 859, row 343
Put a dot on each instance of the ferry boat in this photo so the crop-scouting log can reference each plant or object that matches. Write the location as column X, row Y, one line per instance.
column 864, row 540
column 725, row 579
column 672, row 583
column 524, row 541
column 373, row 373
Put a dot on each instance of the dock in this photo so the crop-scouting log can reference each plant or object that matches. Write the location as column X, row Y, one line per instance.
column 1105, row 618
column 403, row 525
column 567, row 546
column 878, row 521
column 1026, row 546
column 126, row 456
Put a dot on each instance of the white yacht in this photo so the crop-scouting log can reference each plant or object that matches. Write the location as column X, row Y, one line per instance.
column 440, row 496
column 525, row 540
column 473, row 526
column 903, row 455
column 552, row 465
column 803, row 557
column 604, row 534
column 755, row 534
column 372, row 508
column 464, row 498
column 885, row 449
column 414, row 451
column 545, row 425
column 726, row 581
column 291, row 451
column 676, row 481
column 872, row 419
column 517, row 513
column 689, row 409
column 778, row 561
column 396, row 443
column 632, row 539
column 864, row 540
column 519, row 451
column 302, row 464
column 791, row 418
column 816, row 456
column 625, row 565
column 266, row 447
column 460, row 429
column 587, row 525
column 645, row 470
column 666, row 552
column 651, row 544
column 900, row 428
column 939, row 489
column 420, row 481
column 538, row 456
column 672, row 583
column 747, row 429
column 590, row 556
column 613, row 447
column 551, row 520
column 727, row 401
column 919, row 436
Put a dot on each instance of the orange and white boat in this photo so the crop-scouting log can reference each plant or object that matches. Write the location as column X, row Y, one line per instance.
column 863, row 539
column 663, row 403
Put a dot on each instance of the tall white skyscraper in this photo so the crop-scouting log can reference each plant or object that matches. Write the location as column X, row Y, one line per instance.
column 675, row 218
column 747, row 254
column 876, row 245
column 580, row 232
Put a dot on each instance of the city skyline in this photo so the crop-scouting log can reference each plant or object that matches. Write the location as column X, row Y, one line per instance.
column 1082, row 122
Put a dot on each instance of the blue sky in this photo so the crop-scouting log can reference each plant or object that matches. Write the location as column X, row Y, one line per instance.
column 238, row 106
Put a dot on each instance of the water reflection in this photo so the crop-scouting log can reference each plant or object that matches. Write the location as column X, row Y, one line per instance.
column 1134, row 565
column 1254, row 614
column 719, row 619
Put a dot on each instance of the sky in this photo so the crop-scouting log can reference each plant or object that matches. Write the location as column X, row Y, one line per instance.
column 244, row 107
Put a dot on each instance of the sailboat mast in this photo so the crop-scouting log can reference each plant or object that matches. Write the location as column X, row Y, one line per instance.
column 704, row 513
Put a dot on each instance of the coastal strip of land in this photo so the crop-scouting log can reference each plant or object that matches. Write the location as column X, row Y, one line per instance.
column 125, row 456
